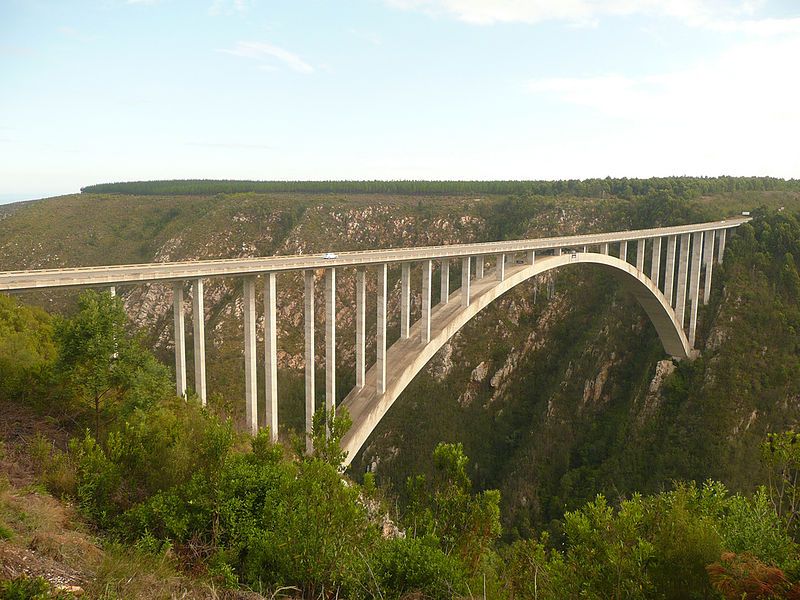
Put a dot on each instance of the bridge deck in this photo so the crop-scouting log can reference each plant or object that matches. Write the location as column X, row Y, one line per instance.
column 176, row 271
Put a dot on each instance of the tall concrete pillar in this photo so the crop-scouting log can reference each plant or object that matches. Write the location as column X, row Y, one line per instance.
column 479, row 267
column 465, row 281
column 405, row 300
column 425, row 330
column 669, row 269
column 694, row 283
column 308, row 315
column 557, row 252
column 708, row 260
column 623, row 251
column 655, row 261
column 199, row 334
column 604, row 248
column 361, row 329
column 444, row 288
column 500, row 267
column 250, row 377
column 380, row 363
column 683, row 270
column 271, row 354
column 721, row 249
column 530, row 257
column 112, row 291
column 640, row 255
column 180, row 338
column 585, row 249
column 330, row 341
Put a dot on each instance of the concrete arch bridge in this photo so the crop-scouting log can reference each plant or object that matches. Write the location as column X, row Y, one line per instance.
column 668, row 270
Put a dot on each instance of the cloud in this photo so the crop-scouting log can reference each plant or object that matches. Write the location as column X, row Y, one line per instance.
column 230, row 146
column 265, row 53
column 486, row 12
column 228, row 7
column 737, row 108
column 368, row 36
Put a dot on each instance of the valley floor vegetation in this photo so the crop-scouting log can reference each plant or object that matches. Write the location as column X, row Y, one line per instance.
column 155, row 496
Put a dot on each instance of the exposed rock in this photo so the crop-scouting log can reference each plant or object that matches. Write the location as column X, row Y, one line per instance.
column 652, row 400
column 479, row 373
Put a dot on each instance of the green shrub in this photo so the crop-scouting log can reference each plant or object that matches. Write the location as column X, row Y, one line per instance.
column 417, row 565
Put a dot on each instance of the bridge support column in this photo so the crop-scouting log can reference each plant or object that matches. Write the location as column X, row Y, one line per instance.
column 623, row 251
column 330, row 341
column 500, row 267
column 308, row 316
column 721, row 249
column 405, row 301
column 380, row 362
column 465, row 281
column 694, row 283
column 271, row 355
column 640, row 255
column 530, row 257
column 425, row 330
column 444, row 288
column 669, row 269
column 112, row 291
column 655, row 261
column 604, row 248
column 199, row 334
column 683, row 268
column 180, row 338
column 250, row 381
column 361, row 330
column 585, row 249
column 708, row 259
column 479, row 267
column 557, row 252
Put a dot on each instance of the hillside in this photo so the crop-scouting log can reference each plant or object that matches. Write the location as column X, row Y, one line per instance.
column 570, row 396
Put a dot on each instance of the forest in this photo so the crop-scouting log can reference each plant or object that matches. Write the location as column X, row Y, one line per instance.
column 684, row 187
column 170, row 488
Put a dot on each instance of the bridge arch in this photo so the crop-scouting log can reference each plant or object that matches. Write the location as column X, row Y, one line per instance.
column 407, row 357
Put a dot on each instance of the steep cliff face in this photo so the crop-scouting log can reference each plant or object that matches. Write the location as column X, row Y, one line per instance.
column 558, row 390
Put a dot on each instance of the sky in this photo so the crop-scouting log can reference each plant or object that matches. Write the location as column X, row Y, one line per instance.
column 95, row 91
